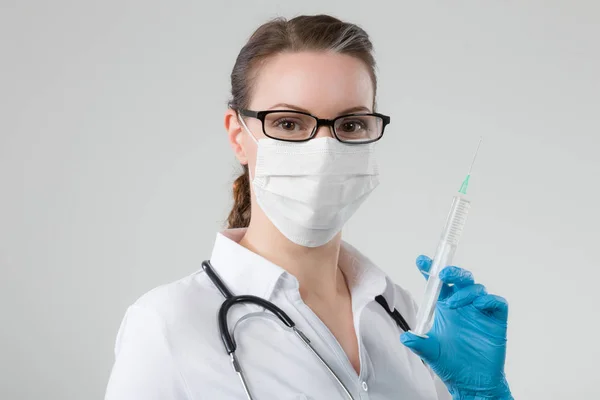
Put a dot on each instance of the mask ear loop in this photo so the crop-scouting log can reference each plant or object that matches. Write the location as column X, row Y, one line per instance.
column 251, row 135
column 246, row 127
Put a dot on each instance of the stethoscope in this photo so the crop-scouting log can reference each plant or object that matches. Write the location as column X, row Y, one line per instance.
column 229, row 341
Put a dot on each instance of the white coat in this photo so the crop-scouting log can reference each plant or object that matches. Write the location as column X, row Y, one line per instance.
column 168, row 345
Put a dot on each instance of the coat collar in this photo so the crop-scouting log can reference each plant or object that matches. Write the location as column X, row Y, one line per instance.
column 245, row 272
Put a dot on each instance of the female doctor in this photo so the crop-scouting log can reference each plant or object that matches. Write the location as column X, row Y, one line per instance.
column 302, row 123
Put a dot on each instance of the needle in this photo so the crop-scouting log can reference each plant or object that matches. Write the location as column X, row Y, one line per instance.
column 475, row 156
column 463, row 187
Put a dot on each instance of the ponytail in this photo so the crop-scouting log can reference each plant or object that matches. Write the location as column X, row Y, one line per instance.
column 239, row 217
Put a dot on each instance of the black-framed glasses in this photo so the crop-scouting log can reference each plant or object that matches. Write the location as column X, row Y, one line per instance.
column 298, row 126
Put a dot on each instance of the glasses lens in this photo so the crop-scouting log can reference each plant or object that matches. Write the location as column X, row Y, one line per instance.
column 359, row 128
column 289, row 126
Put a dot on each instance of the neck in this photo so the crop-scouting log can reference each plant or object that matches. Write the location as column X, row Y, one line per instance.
column 315, row 268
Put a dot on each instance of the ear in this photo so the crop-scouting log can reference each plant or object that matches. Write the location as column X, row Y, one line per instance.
column 235, row 133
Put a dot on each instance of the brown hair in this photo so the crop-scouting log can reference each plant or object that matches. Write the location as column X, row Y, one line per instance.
column 303, row 33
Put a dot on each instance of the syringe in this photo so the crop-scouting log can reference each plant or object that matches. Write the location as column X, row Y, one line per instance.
column 446, row 248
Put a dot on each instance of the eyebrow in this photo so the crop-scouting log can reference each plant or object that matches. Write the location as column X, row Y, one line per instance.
column 293, row 107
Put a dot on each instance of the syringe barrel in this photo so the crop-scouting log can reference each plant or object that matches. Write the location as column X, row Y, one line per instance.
column 444, row 254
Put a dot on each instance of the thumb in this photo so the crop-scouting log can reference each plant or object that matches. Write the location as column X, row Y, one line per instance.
column 426, row 348
column 424, row 264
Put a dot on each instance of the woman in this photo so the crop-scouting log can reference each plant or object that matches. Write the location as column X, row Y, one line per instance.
column 302, row 123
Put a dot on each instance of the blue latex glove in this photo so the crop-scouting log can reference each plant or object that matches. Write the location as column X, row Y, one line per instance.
column 466, row 345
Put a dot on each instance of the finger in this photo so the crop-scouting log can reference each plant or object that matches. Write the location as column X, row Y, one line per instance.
column 492, row 305
column 456, row 276
column 427, row 349
column 466, row 296
column 424, row 264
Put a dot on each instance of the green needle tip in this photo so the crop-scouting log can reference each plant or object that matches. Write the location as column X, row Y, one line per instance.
column 465, row 184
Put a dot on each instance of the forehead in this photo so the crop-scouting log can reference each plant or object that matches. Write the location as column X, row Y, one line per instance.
column 324, row 83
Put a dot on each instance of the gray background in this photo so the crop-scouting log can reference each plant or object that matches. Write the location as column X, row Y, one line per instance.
column 115, row 171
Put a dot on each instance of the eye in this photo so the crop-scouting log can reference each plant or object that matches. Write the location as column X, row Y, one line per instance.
column 288, row 125
column 350, row 126
column 285, row 124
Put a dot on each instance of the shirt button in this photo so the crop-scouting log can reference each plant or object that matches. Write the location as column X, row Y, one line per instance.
column 364, row 386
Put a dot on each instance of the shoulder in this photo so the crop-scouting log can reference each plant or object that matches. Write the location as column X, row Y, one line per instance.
column 170, row 315
column 156, row 334
column 181, row 302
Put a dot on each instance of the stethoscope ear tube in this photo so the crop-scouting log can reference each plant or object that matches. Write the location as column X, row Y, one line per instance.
column 212, row 275
column 228, row 340
column 231, row 300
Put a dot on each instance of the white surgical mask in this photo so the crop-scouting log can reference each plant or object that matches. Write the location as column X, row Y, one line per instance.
column 310, row 189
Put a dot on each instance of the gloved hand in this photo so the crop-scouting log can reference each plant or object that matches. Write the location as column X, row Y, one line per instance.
column 466, row 345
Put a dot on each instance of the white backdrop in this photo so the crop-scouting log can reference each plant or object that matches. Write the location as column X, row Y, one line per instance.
column 115, row 171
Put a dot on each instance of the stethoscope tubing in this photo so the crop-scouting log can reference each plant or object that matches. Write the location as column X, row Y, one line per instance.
column 229, row 341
